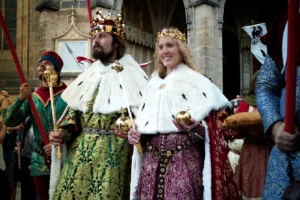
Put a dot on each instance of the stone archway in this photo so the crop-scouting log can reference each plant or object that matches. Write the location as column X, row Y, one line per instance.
column 242, row 65
column 144, row 18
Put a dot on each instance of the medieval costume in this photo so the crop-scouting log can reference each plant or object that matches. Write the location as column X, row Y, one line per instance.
column 270, row 98
column 271, row 103
column 176, row 164
column 234, row 145
column 253, row 158
column 20, row 110
column 5, row 190
column 97, row 162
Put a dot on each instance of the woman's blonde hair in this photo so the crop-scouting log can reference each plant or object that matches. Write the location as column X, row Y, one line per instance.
column 184, row 51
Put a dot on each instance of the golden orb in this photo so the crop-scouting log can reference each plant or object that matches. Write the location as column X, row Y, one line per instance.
column 123, row 124
column 183, row 116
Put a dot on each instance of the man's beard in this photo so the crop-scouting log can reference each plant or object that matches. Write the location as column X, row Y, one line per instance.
column 101, row 55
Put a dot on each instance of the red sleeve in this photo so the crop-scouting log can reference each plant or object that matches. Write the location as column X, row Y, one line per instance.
column 243, row 107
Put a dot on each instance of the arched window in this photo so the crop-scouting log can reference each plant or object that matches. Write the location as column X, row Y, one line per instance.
column 9, row 12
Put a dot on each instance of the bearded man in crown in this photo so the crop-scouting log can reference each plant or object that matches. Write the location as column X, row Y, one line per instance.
column 97, row 164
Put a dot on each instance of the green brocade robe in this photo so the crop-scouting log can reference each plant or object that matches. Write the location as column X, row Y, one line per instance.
column 97, row 165
column 17, row 113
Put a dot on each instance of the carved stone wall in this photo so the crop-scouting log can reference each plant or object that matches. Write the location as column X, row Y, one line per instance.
column 140, row 37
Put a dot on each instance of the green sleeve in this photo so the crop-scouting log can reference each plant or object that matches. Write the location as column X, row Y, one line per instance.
column 68, row 123
column 16, row 113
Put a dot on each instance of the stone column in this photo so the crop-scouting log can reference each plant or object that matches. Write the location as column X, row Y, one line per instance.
column 205, row 38
column 23, row 26
column 245, row 63
column 32, row 35
column 47, row 30
column 43, row 29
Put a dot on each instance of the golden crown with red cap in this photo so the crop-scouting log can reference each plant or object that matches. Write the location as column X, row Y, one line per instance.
column 108, row 23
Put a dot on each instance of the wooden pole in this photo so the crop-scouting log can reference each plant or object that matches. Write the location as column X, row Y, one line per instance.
column 291, row 68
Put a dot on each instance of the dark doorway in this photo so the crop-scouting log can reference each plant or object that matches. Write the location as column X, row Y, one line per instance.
column 231, row 65
column 178, row 19
column 236, row 15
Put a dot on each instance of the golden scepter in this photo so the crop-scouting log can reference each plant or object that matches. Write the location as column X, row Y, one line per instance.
column 51, row 77
column 119, row 68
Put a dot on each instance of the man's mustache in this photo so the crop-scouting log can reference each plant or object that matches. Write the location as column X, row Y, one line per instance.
column 98, row 46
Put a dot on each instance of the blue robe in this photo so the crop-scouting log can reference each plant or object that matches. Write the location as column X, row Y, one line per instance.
column 270, row 98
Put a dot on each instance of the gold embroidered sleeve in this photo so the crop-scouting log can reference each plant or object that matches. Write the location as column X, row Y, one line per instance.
column 68, row 125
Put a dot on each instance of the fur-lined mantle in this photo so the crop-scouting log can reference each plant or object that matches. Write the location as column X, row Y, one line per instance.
column 110, row 95
column 164, row 98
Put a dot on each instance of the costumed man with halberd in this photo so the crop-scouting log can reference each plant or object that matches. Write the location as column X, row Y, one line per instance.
column 17, row 113
column 96, row 166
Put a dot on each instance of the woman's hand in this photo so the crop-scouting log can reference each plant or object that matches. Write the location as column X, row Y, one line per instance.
column 193, row 128
column 184, row 127
column 56, row 137
column 133, row 137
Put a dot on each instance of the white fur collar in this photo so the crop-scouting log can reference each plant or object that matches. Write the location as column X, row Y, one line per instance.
column 164, row 98
column 110, row 95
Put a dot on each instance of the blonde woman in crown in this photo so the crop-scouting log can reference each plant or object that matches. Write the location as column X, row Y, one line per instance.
column 180, row 161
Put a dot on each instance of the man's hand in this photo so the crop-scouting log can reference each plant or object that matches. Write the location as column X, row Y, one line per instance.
column 121, row 134
column 20, row 127
column 25, row 91
column 48, row 149
column 133, row 137
column 284, row 141
column 56, row 137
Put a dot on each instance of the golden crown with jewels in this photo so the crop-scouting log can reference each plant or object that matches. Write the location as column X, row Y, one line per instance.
column 171, row 32
column 108, row 23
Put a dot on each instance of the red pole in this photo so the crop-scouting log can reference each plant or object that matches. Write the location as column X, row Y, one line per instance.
column 88, row 5
column 291, row 72
column 23, row 80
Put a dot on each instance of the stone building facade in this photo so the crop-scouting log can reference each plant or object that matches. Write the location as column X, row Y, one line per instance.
column 220, row 47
